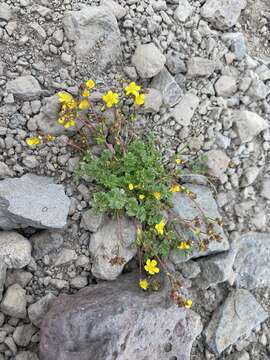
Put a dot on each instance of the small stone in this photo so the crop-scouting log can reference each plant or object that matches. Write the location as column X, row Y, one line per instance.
column 183, row 11
column 45, row 242
column 226, row 86
column 248, row 124
column 148, row 60
column 237, row 44
column 236, row 317
column 59, row 284
column 20, row 277
column 249, row 176
column 38, row 30
column 65, row 256
column 153, row 101
column 183, row 112
column 5, row 171
column 66, row 59
column 200, row 67
column 30, row 161
column 223, row 14
column 175, row 64
column 14, row 302
column 265, row 191
column 58, row 37
column 258, row 90
column 38, row 310
column 217, row 162
column 15, row 250
column 23, row 334
column 91, row 221
column 170, row 90
column 79, row 282
column 24, row 88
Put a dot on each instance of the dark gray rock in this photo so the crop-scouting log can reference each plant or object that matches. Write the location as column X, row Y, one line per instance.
column 45, row 242
column 32, row 201
column 186, row 209
column 236, row 317
column 117, row 320
column 91, row 221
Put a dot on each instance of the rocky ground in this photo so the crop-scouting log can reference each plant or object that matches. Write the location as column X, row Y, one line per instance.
column 207, row 65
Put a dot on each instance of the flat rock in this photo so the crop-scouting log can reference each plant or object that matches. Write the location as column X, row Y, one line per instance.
column 24, row 88
column 153, row 101
column 248, row 124
column 170, row 90
column 148, row 60
column 44, row 242
column 223, row 14
column 236, row 317
column 14, row 302
column 87, row 27
column 251, row 265
column 32, row 201
column 15, row 250
column 183, row 112
column 200, row 67
column 186, row 209
column 117, row 320
column 107, row 243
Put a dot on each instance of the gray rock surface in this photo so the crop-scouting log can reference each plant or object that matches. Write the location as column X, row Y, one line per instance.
column 24, row 88
column 248, row 124
column 87, row 27
column 118, row 11
column 14, row 302
column 185, row 109
column 39, row 309
column 217, row 162
column 236, row 317
column 226, row 86
column 112, row 240
column 15, row 250
column 117, row 318
column 91, row 221
column 44, row 242
column 153, row 101
column 6, row 12
column 170, row 90
column 200, row 67
column 186, row 209
column 5, row 171
column 148, row 60
column 223, row 14
column 183, row 11
column 48, row 208
column 251, row 265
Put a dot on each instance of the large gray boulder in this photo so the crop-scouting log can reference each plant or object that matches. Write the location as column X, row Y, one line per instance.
column 223, row 14
column 32, row 200
column 185, row 208
column 94, row 31
column 114, row 239
column 24, row 87
column 236, row 317
column 251, row 265
column 119, row 321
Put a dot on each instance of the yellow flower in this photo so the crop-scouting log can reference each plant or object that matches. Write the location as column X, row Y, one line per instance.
column 49, row 137
column 33, row 141
column 175, row 188
column 110, row 98
column 183, row 245
column 188, row 304
column 131, row 186
column 86, row 93
column 65, row 97
column 84, row 104
column 71, row 105
column 141, row 196
column 132, row 88
column 151, row 267
column 70, row 123
column 157, row 195
column 139, row 99
column 160, row 227
column 90, row 84
column 144, row 284
column 178, row 161
column 61, row 120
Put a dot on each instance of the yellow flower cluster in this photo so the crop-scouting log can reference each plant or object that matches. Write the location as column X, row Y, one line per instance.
column 160, row 227
column 134, row 89
column 36, row 140
column 184, row 245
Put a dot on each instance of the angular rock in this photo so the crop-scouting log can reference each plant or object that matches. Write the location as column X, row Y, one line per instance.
column 32, row 201
column 24, row 88
column 236, row 43
column 217, row 162
column 251, row 265
column 94, row 31
column 91, row 221
column 46, row 120
column 175, row 64
column 108, row 243
column 153, row 101
column 45, row 242
column 236, row 317
column 249, row 176
column 183, row 112
column 183, row 11
column 116, row 320
column 39, row 309
column 248, row 124
column 15, row 250
column 5, row 12
column 258, row 90
column 186, row 209
column 200, row 67
column 5, row 171
column 148, row 60
column 65, row 256
column 225, row 86
column 223, row 14
column 170, row 90
column 14, row 302
column 20, row 277
column 23, row 334
column 118, row 11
